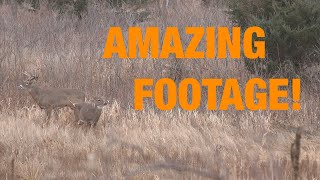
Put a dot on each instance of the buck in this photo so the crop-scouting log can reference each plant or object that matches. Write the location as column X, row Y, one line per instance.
column 89, row 113
column 52, row 98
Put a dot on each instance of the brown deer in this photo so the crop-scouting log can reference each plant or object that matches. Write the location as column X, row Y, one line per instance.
column 89, row 113
column 52, row 98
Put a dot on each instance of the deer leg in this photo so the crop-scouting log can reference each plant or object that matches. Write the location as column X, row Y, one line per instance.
column 56, row 113
column 76, row 114
column 80, row 122
column 48, row 111
column 93, row 124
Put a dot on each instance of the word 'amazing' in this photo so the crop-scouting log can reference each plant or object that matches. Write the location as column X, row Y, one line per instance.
column 171, row 43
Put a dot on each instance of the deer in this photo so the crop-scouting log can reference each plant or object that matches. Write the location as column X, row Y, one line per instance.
column 89, row 112
column 52, row 98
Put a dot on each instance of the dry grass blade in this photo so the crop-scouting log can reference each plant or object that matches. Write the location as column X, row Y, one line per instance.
column 177, row 144
column 172, row 166
column 4, row 82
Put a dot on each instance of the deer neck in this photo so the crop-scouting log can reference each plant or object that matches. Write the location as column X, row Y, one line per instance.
column 99, row 107
column 34, row 91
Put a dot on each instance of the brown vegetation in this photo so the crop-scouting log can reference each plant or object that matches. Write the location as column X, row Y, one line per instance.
column 65, row 52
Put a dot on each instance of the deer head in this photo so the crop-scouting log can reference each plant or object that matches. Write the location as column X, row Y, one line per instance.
column 26, row 84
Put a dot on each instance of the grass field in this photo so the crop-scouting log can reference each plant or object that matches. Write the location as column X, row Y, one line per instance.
column 150, row 144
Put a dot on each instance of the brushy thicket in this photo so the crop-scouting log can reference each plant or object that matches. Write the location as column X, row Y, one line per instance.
column 66, row 52
column 127, row 144
column 75, row 7
column 292, row 30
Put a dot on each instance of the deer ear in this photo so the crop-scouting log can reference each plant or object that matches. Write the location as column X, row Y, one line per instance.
column 33, row 78
column 21, row 86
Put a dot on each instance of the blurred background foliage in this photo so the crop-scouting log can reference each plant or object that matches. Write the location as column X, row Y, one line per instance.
column 292, row 27
column 292, row 30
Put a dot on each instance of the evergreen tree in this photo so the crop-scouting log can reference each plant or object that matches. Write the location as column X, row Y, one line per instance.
column 292, row 30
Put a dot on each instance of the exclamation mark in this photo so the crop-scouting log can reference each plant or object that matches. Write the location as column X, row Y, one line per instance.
column 296, row 91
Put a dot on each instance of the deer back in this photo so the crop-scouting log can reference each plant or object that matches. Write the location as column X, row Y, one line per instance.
column 55, row 97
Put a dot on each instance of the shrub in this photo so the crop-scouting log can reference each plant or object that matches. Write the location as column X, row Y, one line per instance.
column 78, row 7
column 119, row 3
column 292, row 30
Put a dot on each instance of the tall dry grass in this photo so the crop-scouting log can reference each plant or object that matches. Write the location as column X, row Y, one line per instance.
column 65, row 52
column 177, row 144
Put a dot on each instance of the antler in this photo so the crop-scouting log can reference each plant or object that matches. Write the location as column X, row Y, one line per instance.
column 31, row 77
column 74, row 104
column 25, row 73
